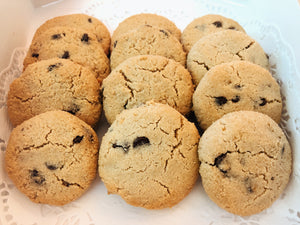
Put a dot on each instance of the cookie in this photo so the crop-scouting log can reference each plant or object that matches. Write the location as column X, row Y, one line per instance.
column 83, row 21
column 137, row 20
column 221, row 47
column 245, row 162
column 205, row 25
column 52, row 157
column 143, row 78
column 149, row 156
column 54, row 84
column 69, row 43
column 234, row 86
column 147, row 40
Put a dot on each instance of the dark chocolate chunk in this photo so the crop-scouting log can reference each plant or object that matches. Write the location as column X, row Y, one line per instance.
column 219, row 160
column 220, row 100
column 248, row 185
column 237, row 86
column 263, row 102
column 56, row 36
column 51, row 67
column 272, row 178
column 35, row 55
column 231, row 28
column 77, row 139
column 282, row 150
column 73, row 109
column 268, row 57
column 125, row 147
column 235, row 99
column 85, row 38
column 115, row 43
column 140, row 141
column 37, row 177
column 217, row 23
column 66, row 55
column 90, row 20
column 50, row 166
column 164, row 32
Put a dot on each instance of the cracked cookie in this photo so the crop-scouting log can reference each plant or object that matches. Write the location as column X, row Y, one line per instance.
column 149, row 156
column 143, row 78
column 146, row 40
column 205, row 25
column 52, row 157
column 245, row 162
column 221, row 47
column 137, row 20
column 54, row 84
column 86, row 22
column 75, row 44
column 234, row 86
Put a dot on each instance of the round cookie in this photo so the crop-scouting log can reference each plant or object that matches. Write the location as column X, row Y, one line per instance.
column 83, row 21
column 205, row 25
column 54, row 84
column 137, row 20
column 147, row 40
column 234, row 86
column 143, row 78
column 245, row 162
column 69, row 43
column 52, row 157
column 221, row 47
column 149, row 156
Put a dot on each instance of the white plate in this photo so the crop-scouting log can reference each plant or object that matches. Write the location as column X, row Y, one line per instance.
column 274, row 24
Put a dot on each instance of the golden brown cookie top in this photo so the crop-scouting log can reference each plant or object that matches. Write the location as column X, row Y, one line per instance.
column 52, row 157
column 149, row 156
column 245, row 162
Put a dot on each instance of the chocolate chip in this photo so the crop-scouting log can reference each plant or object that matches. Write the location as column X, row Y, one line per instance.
column 77, row 139
column 236, row 99
column 90, row 20
column 272, row 178
column 268, row 57
column 220, row 100
column 37, row 177
column 231, row 28
column 140, row 141
column 115, row 43
column 237, row 86
column 217, row 23
column 66, row 55
column 51, row 67
column 263, row 102
column 73, row 109
column 56, row 36
column 35, row 55
column 50, row 166
column 85, row 38
column 125, row 147
column 219, row 160
column 248, row 185
column 164, row 32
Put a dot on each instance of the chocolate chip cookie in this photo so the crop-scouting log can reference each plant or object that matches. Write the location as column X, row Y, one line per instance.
column 143, row 78
column 149, row 156
column 147, row 40
column 223, row 46
column 54, row 84
column 52, row 157
column 75, row 44
column 137, row 20
column 238, row 85
column 205, row 25
column 245, row 162
column 83, row 21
